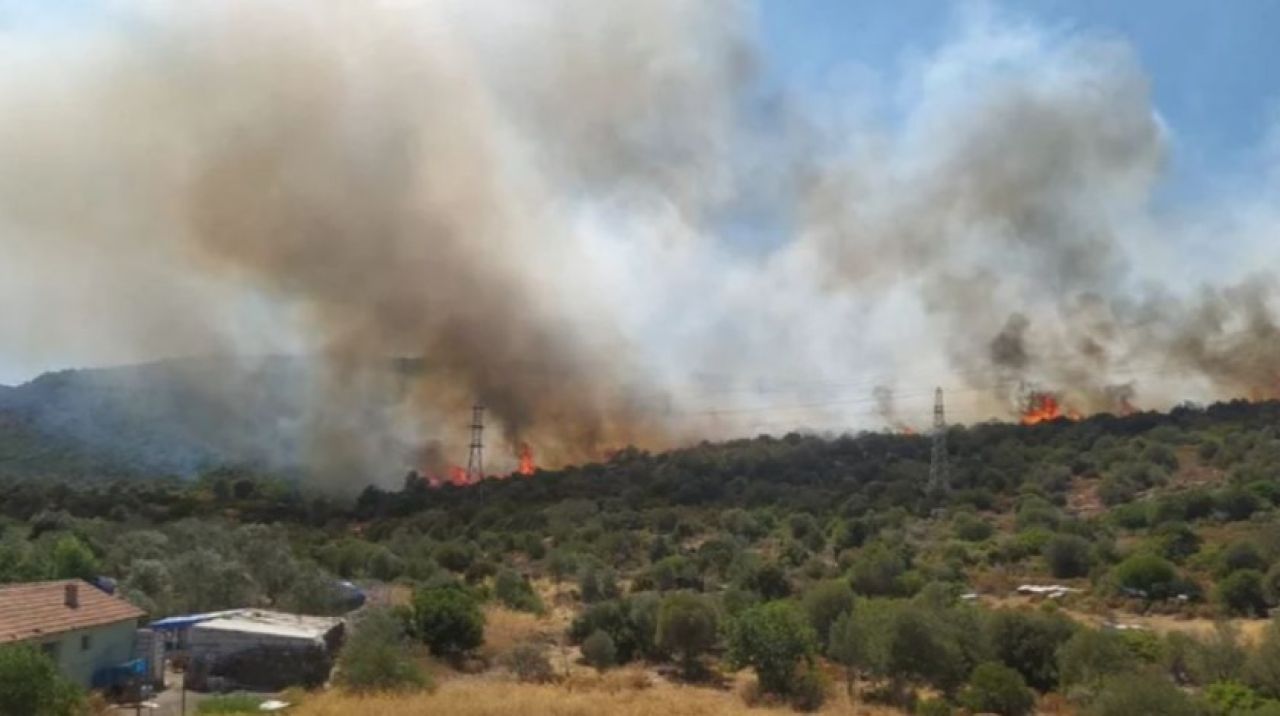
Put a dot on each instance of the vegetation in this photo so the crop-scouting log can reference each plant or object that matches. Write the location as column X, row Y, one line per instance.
column 784, row 555
column 30, row 685
column 376, row 657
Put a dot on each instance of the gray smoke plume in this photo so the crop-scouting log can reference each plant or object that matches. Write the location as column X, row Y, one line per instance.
column 539, row 207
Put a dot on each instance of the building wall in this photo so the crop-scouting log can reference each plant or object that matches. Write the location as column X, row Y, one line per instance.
column 109, row 645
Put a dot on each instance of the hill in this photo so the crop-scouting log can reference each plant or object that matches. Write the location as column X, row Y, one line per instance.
column 1156, row 536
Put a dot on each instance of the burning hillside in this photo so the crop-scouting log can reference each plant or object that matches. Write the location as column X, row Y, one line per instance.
column 628, row 234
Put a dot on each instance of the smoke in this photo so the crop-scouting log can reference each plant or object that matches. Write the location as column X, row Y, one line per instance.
column 542, row 205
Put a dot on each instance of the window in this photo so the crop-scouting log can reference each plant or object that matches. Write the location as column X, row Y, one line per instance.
column 85, row 643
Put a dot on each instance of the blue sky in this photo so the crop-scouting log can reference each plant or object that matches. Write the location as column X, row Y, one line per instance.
column 1212, row 65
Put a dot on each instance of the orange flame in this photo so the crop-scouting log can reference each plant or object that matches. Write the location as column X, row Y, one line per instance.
column 458, row 475
column 1043, row 406
column 525, row 453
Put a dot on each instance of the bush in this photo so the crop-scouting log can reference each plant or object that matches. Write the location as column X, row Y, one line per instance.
column 514, row 591
column 530, row 664
column 447, row 619
column 1147, row 575
column 599, row 651
column 375, row 656
column 1091, row 656
column 686, row 625
column 30, row 685
column 825, row 602
column 971, row 528
column 1068, row 556
column 995, row 688
column 1241, row 593
column 1029, row 642
column 1138, row 693
column 774, row 639
column 809, row 690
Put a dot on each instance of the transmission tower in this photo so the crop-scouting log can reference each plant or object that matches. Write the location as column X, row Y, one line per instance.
column 939, row 475
column 475, row 459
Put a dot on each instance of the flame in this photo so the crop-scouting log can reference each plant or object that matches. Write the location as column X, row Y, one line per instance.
column 525, row 453
column 905, row 430
column 458, row 475
column 1042, row 406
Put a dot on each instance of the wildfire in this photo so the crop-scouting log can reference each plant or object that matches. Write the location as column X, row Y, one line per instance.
column 905, row 430
column 457, row 475
column 525, row 454
column 1043, row 406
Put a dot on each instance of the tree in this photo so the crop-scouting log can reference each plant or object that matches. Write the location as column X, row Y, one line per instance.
column 1029, row 642
column 774, row 639
column 599, row 651
column 30, row 685
column 72, row 559
column 1242, row 593
column 1091, row 656
column 1145, row 574
column 847, row 646
column 995, row 688
column 375, row 656
column 686, row 625
column 515, row 591
column 447, row 619
column 825, row 602
column 1068, row 556
column 1141, row 693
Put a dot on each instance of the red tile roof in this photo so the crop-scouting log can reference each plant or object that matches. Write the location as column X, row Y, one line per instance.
column 38, row 609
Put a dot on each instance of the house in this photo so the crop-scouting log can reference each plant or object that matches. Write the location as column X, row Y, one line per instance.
column 84, row 629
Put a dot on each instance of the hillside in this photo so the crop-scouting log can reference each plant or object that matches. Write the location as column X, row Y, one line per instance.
column 1158, row 531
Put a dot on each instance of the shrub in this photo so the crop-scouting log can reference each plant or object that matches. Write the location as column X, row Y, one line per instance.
column 1029, row 642
column 375, row 657
column 447, row 619
column 772, row 638
column 1146, row 574
column 1241, row 593
column 809, row 690
column 1139, row 693
column 597, row 584
column 1240, row 555
column 971, row 528
column 686, row 625
column 529, row 663
column 1068, row 556
column 30, row 684
column 995, row 688
column 1091, row 656
column 599, row 651
column 514, row 590
column 825, row 602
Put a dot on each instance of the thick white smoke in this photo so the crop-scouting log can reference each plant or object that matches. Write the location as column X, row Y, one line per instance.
column 546, row 202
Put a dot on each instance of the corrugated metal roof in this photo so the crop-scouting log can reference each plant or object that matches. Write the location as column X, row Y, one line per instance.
column 261, row 621
column 38, row 609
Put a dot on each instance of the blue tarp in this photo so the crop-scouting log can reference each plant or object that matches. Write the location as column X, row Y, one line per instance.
column 182, row 621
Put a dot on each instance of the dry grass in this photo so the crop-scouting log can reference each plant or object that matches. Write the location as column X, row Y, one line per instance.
column 614, row 694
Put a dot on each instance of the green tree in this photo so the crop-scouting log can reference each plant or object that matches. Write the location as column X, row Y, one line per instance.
column 1029, row 641
column 375, row 656
column 825, row 602
column 447, row 619
column 1141, row 693
column 687, row 626
column 599, row 651
column 995, row 688
column 72, row 559
column 1145, row 574
column 515, row 591
column 1091, row 656
column 1242, row 593
column 1068, row 556
column 30, row 685
column 847, row 646
column 774, row 639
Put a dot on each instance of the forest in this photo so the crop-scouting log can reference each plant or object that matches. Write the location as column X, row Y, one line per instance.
column 822, row 565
